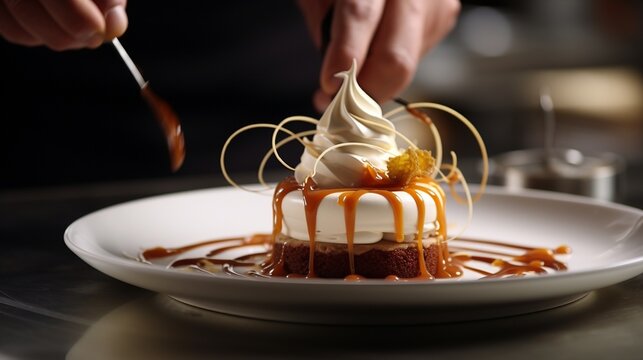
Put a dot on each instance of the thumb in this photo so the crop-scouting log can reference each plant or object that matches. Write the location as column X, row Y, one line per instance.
column 115, row 17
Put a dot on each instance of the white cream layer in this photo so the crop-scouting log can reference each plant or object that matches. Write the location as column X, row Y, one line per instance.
column 374, row 219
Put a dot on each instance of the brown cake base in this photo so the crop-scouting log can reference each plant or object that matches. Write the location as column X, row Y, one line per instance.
column 377, row 260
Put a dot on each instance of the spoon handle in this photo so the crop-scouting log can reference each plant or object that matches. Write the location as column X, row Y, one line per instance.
column 130, row 64
column 166, row 117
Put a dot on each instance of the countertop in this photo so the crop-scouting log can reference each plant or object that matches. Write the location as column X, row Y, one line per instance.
column 53, row 305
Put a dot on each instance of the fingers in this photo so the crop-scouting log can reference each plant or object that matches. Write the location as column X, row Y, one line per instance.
column 81, row 19
column 395, row 51
column 353, row 27
column 388, row 41
column 62, row 24
column 442, row 17
column 12, row 31
column 115, row 17
column 35, row 20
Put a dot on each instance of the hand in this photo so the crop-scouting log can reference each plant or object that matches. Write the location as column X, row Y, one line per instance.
column 62, row 24
column 387, row 38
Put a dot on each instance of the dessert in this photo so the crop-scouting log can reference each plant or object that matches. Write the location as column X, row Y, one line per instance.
column 359, row 205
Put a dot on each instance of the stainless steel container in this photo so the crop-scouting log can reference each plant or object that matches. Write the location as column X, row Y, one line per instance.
column 596, row 175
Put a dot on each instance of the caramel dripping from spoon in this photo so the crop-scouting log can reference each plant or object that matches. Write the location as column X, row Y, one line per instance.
column 165, row 116
column 170, row 124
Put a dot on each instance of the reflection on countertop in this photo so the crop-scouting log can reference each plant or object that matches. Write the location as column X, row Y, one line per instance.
column 155, row 326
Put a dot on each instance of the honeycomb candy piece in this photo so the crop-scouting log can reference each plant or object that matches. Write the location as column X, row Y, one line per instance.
column 410, row 164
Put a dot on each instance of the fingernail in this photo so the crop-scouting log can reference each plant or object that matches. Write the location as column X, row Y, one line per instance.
column 115, row 22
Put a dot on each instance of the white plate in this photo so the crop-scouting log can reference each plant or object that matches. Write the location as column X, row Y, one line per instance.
column 606, row 238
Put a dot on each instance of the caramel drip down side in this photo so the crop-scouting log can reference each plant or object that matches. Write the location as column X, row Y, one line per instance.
column 419, row 201
column 350, row 200
column 446, row 269
column 398, row 211
column 283, row 188
column 312, row 198
column 273, row 265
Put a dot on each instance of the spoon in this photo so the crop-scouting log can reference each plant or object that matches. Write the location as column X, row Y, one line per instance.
column 165, row 116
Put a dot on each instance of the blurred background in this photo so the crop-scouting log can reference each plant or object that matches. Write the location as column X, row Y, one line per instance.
column 77, row 117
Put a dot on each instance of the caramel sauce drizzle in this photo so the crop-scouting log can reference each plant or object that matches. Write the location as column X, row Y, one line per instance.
column 161, row 252
column 533, row 260
column 274, row 264
column 271, row 263
column 350, row 199
column 419, row 201
column 375, row 182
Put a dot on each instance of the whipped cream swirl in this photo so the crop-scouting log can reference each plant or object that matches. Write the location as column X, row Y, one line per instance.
column 342, row 122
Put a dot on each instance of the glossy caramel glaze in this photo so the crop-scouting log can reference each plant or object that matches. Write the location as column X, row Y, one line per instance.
column 349, row 198
column 255, row 263
column 270, row 261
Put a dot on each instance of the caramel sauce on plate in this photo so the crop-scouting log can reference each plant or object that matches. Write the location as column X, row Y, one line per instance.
column 468, row 253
